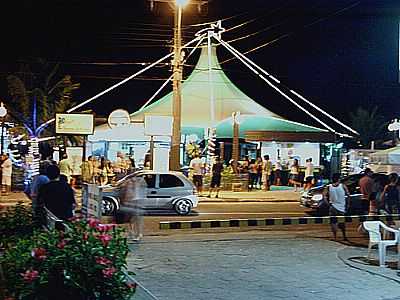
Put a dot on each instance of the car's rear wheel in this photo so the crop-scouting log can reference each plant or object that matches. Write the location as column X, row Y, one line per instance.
column 109, row 207
column 183, row 207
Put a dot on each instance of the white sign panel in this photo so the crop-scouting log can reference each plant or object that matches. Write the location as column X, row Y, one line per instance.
column 158, row 125
column 74, row 124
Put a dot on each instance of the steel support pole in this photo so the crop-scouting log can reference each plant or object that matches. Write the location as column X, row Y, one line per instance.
column 2, row 135
column 177, row 101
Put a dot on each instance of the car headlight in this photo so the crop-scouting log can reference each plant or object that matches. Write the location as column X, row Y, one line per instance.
column 317, row 197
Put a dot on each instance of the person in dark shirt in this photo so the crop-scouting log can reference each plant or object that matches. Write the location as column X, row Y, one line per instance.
column 57, row 195
column 217, row 169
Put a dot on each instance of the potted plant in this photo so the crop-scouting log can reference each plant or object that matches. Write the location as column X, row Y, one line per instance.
column 84, row 262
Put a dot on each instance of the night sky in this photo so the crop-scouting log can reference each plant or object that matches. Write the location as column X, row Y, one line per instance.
column 340, row 54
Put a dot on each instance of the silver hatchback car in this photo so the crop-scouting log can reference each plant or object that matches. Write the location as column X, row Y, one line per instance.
column 165, row 190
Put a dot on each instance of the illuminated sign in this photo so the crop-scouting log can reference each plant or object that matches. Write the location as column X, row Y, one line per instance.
column 74, row 124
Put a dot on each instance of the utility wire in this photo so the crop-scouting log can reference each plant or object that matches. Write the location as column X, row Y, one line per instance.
column 293, row 32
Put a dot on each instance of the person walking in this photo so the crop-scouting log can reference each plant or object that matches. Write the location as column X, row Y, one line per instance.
column 266, row 172
column 390, row 197
column 57, row 195
column 336, row 195
column 294, row 174
column 216, row 170
column 134, row 192
column 308, row 175
column 366, row 184
column 197, row 167
column 6, row 173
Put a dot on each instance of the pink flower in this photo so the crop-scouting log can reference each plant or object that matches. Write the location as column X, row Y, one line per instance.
column 85, row 236
column 109, row 272
column 61, row 244
column 104, row 238
column 39, row 253
column 105, row 227
column 103, row 261
column 30, row 275
column 131, row 285
column 93, row 223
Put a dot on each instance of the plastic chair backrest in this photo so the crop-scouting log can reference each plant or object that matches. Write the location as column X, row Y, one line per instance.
column 373, row 228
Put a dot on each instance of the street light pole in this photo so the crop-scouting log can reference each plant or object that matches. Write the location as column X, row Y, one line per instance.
column 3, row 113
column 174, row 163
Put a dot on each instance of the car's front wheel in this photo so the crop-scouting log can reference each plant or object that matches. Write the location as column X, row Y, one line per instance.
column 183, row 207
column 109, row 207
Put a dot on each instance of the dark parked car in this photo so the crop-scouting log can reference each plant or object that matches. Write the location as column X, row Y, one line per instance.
column 165, row 190
column 358, row 206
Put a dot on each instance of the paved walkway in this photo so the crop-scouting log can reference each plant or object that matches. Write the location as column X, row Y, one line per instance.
column 256, row 196
column 254, row 267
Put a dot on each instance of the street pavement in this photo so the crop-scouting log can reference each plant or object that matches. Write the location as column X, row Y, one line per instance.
column 257, row 265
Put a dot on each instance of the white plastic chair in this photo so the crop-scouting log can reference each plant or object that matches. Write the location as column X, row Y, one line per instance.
column 375, row 238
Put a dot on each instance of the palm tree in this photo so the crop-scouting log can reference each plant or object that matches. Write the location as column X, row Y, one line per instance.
column 36, row 97
column 369, row 124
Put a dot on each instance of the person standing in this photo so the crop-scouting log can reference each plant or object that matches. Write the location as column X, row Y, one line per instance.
column 277, row 172
column 259, row 163
column 6, row 173
column 308, row 174
column 57, row 195
column 336, row 195
column 197, row 166
column 366, row 184
column 37, row 183
column 216, row 170
column 390, row 197
column 65, row 167
column 252, row 169
column 266, row 172
column 294, row 174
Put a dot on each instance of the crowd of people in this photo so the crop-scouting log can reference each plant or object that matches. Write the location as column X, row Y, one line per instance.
column 261, row 173
column 380, row 195
column 53, row 189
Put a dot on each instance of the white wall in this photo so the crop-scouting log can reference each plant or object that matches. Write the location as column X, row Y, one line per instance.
column 302, row 151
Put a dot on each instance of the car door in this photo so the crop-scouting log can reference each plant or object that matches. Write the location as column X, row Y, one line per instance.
column 151, row 181
column 170, row 187
column 356, row 205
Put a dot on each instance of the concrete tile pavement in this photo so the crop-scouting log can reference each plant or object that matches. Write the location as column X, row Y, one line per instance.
column 253, row 266
column 255, row 196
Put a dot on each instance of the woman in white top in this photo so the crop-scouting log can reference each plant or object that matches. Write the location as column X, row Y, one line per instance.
column 336, row 195
column 294, row 174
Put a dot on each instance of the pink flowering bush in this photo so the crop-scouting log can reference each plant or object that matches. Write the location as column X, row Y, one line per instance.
column 87, row 261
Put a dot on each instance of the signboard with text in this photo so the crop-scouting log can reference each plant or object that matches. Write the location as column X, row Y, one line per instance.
column 74, row 124
column 92, row 201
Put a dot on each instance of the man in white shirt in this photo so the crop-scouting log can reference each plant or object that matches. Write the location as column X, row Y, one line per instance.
column 6, row 172
column 308, row 174
column 266, row 172
column 197, row 166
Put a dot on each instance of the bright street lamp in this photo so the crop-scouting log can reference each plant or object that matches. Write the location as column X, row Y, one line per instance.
column 181, row 3
column 3, row 113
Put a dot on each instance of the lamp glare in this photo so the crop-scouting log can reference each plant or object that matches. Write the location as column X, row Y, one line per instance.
column 181, row 3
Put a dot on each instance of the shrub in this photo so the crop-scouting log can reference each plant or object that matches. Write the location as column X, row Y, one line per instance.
column 15, row 223
column 87, row 261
